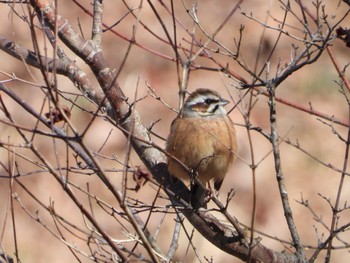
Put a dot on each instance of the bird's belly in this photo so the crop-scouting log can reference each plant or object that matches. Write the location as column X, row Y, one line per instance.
column 204, row 147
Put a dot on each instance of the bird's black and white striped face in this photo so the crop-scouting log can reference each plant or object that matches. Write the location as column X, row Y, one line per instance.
column 204, row 103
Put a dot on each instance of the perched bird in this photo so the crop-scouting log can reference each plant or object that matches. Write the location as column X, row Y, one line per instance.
column 203, row 139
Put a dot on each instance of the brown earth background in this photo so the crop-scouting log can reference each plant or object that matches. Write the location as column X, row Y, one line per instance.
column 314, row 85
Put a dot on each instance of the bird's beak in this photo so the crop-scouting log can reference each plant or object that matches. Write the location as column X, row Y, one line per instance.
column 223, row 102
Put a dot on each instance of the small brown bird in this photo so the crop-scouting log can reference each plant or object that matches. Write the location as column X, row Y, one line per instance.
column 202, row 138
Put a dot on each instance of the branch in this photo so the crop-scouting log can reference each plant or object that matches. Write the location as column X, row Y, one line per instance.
column 280, row 178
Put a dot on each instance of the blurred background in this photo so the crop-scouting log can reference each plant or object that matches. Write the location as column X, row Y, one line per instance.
column 310, row 171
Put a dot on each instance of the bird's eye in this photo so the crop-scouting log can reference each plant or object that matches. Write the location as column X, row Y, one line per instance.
column 209, row 101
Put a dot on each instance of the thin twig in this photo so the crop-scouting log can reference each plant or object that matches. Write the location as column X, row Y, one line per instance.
column 280, row 178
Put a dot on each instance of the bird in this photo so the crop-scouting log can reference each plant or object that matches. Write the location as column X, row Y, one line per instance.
column 202, row 142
